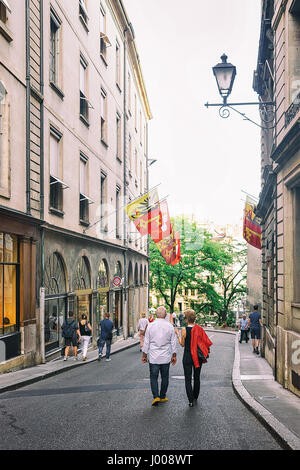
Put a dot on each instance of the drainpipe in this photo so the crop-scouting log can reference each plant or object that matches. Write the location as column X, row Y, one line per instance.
column 42, row 194
column 125, row 316
column 27, row 39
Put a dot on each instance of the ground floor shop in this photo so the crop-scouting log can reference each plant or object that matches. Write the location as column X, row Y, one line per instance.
column 79, row 276
column 19, row 242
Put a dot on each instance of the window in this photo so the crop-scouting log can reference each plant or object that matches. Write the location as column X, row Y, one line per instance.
column 130, row 154
column 103, row 116
column 119, row 137
column 129, row 93
column 4, row 143
column 83, row 13
column 103, row 180
column 83, row 199
column 118, row 65
column 9, row 265
column 141, row 177
column 104, row 41
column 135, row 113
column 4, row 9
column 118, row 194
column 56, row 183
column 54, row 48
column 297, row 244
column 84, row 108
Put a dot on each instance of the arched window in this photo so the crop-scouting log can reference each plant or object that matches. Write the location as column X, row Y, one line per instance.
column 141, row 275
column 136, row 275
column 82, row 276
column 118, row 269
column 55, row 278
column 103, row 277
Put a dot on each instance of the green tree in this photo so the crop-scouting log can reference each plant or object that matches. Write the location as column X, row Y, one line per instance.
column 210, row 267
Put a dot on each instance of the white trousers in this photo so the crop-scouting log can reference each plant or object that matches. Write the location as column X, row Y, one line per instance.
column 85, row 344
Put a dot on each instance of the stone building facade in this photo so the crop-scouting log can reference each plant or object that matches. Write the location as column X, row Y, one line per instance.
column 278, row 78
column 80, row 136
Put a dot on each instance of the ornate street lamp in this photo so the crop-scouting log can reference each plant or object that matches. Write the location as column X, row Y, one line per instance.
column 225, row 73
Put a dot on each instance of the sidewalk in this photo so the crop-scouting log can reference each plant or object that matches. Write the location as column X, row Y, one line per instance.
column 20, row 378
column 276, row 407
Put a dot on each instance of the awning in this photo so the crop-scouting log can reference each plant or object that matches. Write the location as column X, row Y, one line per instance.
column 82, row 4
column 6, row 4
column 83, row 198
column 57, row 180
column 105, row 39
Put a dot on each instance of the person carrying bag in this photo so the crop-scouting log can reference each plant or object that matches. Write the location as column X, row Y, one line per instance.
column 106, row 326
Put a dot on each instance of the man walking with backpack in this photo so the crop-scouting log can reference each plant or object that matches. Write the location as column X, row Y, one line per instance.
column 70, row 330
column 106, row 326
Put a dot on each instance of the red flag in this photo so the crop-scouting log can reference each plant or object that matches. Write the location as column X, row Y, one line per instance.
column 156, row 222
column 251, row 226
column 166, row 248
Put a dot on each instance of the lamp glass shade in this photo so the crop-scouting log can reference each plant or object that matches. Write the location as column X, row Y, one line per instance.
column 225, row 74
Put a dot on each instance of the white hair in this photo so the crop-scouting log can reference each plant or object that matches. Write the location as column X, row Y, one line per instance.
column 161, row 312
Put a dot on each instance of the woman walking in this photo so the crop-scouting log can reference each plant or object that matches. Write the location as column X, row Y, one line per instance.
column 196, row 349
column 85, row 333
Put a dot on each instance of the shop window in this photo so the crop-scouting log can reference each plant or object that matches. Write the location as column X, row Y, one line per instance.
column 9, row 288
column 297, row 245
column 55, row 301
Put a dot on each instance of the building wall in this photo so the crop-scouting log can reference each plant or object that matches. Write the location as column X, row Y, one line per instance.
column 279, row 205
column 43, row 44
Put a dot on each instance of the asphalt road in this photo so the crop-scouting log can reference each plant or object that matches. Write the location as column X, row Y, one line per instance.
column 107, row 406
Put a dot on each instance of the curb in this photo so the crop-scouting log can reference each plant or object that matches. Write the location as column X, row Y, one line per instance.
column 286, row 437
column 46, row 375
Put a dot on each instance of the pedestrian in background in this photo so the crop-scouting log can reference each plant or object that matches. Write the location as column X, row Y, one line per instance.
column 196, row 345
column 160, row 350
column 181, row 316
column 150, row 318
column 255, row 324
column 106, row 327
column 142, row 326
column 243, row 327
column 71, row 334
column 85, row 333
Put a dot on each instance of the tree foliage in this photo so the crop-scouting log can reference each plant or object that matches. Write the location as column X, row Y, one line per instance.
column 215, row 269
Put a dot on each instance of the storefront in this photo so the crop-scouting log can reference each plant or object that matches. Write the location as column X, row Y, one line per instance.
column 83, row 291
column 9, row 296
column 55, row 302
column 102, row 292
column 117, row 300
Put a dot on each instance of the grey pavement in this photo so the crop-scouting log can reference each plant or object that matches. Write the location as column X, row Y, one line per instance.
column 276, row 407
column 252, row 380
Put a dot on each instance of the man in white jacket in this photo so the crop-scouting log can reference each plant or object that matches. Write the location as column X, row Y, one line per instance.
column 160, row 350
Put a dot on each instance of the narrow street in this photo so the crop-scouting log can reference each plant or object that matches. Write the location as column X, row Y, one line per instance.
column 108, row 406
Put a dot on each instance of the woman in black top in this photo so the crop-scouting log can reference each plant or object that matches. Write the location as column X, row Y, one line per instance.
column 85, row 334
column 187, row 361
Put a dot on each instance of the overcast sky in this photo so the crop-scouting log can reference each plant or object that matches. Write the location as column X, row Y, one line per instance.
column 203, row 161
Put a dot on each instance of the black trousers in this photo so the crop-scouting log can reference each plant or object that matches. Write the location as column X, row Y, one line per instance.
column 189, row 370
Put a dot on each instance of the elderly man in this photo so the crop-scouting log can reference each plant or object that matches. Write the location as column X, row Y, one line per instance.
column 243, row 327
column 160, row 349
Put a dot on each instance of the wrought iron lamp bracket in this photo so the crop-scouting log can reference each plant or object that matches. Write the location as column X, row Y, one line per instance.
column 267, row 115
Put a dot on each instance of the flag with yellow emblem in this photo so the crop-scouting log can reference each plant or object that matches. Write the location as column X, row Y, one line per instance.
column 252, row 225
